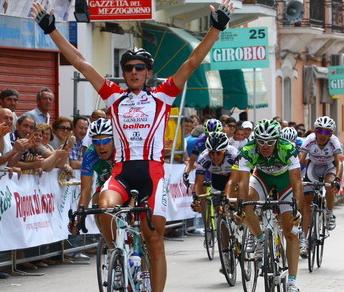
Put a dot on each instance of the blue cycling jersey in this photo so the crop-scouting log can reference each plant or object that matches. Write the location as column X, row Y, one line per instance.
column 195, row 145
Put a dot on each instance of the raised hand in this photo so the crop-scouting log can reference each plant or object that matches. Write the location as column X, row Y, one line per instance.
column 220, row 17
column 44, row 19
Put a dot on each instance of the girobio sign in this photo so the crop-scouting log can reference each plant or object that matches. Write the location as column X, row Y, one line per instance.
column 239, row 54
column 241, row 48
column 336, row 80
column 102, row 10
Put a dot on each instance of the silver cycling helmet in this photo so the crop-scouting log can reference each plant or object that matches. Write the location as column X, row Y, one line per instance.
column 267, row 130
column 100, row 127
column 289, row 133
column 216, row 141
column 325, row 122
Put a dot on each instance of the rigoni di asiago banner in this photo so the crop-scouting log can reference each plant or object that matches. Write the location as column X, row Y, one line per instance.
column 107, row 10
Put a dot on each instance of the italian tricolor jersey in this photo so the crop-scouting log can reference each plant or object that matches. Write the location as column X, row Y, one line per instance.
column 139, row 120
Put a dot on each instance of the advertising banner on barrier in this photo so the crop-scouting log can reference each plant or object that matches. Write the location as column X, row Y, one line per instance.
column 179, row 198
column 34, row 210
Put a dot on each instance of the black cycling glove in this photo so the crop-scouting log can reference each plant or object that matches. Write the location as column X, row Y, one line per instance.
column 220, row 17
column 46, row 21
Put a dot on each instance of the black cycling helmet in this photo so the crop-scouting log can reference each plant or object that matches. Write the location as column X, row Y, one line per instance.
column 216, row 141
column 138, row 54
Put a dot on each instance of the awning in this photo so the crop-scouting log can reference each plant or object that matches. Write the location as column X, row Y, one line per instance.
column 234, row 89
column 170, row 47
column 261, row 90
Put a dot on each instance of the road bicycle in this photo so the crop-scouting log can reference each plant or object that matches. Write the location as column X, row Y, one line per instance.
column 209, row 221
column 274, row 266
column 123, row 273
column 318, row 231
column 231, row 238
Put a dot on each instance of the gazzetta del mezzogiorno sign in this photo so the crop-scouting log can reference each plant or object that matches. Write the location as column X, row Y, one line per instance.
column 241, row 48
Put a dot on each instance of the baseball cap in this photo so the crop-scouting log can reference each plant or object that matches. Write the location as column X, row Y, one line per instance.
column 247, row 124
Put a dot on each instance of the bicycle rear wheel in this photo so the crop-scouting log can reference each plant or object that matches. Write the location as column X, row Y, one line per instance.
column 116, row 281
column 312, row 240
column 269, row 267
column 209, row 231
column 225, row 240
column 102, row 264
column 249, row 268
column 322, row 236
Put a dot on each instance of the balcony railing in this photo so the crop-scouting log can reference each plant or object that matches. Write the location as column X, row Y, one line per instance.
column 317, row 13
column 337, row 16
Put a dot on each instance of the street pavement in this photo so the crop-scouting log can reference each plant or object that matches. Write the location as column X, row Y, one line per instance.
column 190, row 270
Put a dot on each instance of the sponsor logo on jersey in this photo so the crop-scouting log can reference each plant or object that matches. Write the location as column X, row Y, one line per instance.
column 136, row 126
column 135, row 112
column 136, row 136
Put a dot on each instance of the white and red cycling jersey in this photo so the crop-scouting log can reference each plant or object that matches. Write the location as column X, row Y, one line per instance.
column 324, row 155
column 139, row 120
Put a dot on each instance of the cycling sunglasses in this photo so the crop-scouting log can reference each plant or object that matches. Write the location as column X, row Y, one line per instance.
column 215, row 152
column 321, row 131
column 102, row 141
column 262, row 142
column 138, row 67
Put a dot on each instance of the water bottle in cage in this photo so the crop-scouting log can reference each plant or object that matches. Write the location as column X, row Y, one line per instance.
column 135, row 268
column 145, row 284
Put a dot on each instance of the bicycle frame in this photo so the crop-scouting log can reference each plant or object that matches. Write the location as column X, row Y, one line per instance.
column 127, row 238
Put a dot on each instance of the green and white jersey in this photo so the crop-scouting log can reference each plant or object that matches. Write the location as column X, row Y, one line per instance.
column 283, row 159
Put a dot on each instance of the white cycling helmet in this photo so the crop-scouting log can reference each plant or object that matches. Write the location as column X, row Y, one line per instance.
column 267, row 130
column 325, row 122
column 216, row 141
column 289, row 133
column 101, row 127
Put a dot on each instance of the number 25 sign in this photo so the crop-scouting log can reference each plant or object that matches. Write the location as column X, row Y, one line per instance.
column 239, row 48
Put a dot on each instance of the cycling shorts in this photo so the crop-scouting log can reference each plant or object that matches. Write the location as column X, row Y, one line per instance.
column 263, row 184
column 316, row 172
column 145, row 176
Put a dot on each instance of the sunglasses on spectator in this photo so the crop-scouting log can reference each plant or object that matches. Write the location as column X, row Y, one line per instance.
column 326, row 132
column 130, row 67
column 102, row 141
column 64, row 128
column 262, row 142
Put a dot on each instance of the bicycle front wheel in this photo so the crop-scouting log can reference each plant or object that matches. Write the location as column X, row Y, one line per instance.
column 209, row 230
column 312, row 240
column 269, row 267
column 116, row 280
column 321, row 239
column 249, row 268
column 102, row 264
column 225, row 241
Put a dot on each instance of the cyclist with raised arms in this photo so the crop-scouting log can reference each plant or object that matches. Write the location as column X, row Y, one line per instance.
column 275, row 164
column 321, row 154
column 139, row 115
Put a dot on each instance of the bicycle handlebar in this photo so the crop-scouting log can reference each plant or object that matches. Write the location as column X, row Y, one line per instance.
column 82, row 212
column 268, row 204
column 317, row 184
